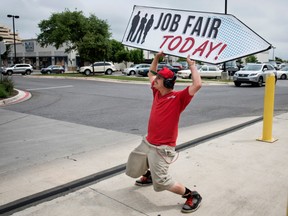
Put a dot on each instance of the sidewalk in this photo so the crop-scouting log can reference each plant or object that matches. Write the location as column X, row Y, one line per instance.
column 235, row 174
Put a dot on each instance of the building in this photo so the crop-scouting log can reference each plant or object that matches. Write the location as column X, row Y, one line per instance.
column 29, row 51
column 8, row 36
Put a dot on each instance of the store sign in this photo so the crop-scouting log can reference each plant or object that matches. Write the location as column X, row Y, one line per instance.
column 29, row 46
column 207, row 37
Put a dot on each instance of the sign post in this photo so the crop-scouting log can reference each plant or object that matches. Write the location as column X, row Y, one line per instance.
column 2, row 51
column 208, row 37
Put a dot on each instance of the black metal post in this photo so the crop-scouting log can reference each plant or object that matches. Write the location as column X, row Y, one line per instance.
column 224, row 64
column 14, row 17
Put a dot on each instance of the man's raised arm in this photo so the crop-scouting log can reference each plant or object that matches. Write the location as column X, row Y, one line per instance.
column 154, row 65
column 197, row 82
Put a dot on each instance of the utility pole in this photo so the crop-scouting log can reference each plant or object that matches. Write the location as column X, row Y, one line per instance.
column 14, row 17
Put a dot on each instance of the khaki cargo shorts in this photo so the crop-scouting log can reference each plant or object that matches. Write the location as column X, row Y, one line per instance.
column 155, row 158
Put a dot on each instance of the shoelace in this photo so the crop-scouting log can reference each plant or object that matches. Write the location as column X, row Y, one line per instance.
column 189, row 201
column 144, row 179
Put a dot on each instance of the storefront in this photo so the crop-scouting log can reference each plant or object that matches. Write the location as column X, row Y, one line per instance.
column 29, row 51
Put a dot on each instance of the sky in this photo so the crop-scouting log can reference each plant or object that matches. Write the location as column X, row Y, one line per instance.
column 267, row 18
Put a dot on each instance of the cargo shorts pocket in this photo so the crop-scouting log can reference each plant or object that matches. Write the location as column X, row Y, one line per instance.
column 168, row 153
column 137, row 164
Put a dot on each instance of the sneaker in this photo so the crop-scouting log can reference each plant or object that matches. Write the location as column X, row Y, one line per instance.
column 144, row 181
column 192, row 203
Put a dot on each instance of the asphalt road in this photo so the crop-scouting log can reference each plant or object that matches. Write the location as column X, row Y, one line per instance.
column 125, row 107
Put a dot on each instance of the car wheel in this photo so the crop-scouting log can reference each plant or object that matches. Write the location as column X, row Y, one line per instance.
column 238, row 84
column 283, row 76
column 132, row 72
column 9, row 73
column 48, row 72
column 28, row 72
column 109, row 72
column 260, row 81
column 87, row 72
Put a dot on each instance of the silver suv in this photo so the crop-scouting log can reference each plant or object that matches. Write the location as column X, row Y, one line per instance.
column 99, row 67
column 133, row 69
column 254, row 74
column 18, row 69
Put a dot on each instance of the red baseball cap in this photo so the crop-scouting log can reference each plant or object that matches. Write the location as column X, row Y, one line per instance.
column 166, row 73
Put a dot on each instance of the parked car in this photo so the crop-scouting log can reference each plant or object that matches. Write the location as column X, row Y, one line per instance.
column 144, row 71
column 254, row 74
column 52, row 69
column 174, row 69
column 273, row 63
column 133, row 69
column 184, row 64
column 99, row 67
column 18, row 69
column 231, row 67
column 180, row 65
column 283, row 73
column 205, row 71
column 282, row 65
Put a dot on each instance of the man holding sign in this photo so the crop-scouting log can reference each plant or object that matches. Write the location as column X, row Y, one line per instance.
column 157, row 150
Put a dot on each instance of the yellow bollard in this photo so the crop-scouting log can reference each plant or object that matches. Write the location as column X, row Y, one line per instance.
column 268, row 109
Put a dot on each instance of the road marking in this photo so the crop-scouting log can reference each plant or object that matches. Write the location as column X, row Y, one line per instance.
column 56, row 87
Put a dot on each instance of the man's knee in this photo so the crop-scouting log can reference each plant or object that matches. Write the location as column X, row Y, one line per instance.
column 161, row 185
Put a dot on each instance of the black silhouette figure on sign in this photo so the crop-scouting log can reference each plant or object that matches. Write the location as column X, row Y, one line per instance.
column 147, row 27
column 134, row 25
column 140, row 29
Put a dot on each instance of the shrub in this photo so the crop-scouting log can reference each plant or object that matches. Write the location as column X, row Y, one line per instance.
column 3, row 93
column 6, row 87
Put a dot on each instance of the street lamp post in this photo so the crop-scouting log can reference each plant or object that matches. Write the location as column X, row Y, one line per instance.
column 273, row 57
column 14, row 17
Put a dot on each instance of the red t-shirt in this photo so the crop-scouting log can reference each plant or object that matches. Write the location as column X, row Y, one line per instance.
column 164, row 116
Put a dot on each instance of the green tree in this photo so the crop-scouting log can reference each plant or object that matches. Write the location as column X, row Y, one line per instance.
column 89, row 36
column 136, row 56
column 277, row 59
column 251, row 59
column 118, row 50
column 123, row 55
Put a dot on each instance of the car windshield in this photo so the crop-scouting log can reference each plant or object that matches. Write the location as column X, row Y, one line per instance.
column 284, row 69
column 252, row 68
column 50, row 66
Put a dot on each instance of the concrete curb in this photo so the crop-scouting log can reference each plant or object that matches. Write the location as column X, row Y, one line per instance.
column 20, row 97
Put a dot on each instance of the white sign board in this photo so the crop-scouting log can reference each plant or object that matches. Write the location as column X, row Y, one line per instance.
column 207, row 37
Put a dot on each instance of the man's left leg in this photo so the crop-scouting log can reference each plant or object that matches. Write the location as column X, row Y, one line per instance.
column 193, row 198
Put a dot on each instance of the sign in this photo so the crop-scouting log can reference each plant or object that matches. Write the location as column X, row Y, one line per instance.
column 2, row 48
column 207, row 37
column 29, row 46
